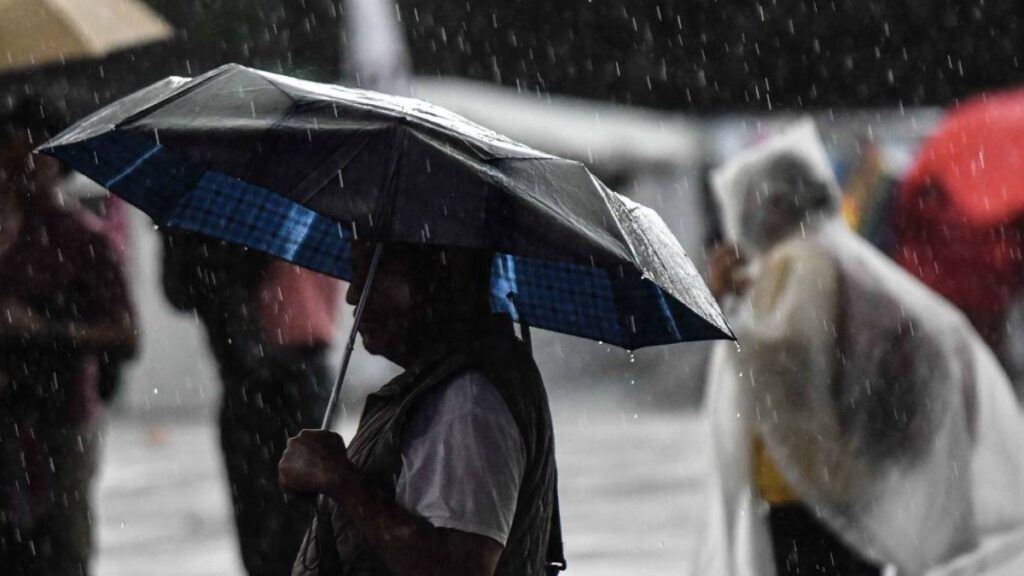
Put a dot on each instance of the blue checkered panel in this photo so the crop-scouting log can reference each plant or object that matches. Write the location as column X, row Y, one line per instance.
column 614, row 306
column 233, row 210
column 179, row 194
column 592, row 302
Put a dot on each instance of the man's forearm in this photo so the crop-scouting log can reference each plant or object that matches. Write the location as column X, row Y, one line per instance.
column 316, row 461
column 407, row 545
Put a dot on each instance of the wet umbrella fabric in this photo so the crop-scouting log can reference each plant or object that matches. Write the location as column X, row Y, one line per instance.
column 299, row 170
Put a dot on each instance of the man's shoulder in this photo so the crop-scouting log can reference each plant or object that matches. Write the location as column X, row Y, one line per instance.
column 466, row 391
column 468, row 407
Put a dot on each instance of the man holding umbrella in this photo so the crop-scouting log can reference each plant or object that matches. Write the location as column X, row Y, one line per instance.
column 452, row 470
column 475, row 229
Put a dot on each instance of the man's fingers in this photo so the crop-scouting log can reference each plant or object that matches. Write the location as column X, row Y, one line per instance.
column 311, row 460
column 292, row 472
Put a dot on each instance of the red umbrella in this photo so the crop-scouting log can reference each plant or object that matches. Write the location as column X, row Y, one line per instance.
column 958, row 211
column 976, row 158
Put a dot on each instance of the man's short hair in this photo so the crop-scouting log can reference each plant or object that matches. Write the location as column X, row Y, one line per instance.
column 454, row 278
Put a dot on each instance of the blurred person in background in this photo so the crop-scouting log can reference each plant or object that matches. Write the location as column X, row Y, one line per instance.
column 108, row 215
column 63, row 307
column 270, row 326
column 863, row 424
column 112, row 223
column 958, row 219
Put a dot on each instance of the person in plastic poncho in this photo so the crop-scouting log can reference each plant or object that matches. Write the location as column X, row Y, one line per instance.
column 862, row 427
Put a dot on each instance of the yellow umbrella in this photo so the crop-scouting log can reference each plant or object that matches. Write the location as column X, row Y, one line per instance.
column 39, row 32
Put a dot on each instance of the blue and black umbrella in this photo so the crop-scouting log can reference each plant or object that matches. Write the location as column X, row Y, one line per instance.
column 299, row 170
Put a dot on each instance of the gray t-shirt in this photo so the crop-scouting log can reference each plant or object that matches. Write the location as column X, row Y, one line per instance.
column 463, row 459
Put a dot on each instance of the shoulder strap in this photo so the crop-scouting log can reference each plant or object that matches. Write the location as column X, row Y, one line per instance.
column 555, row 558
column 555, row 561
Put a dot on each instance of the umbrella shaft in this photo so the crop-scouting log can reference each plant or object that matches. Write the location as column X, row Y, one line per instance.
column 336, row 391
column 329, row 412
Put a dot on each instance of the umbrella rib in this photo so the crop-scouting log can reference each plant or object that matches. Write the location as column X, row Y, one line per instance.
column 313, row 184
column 269, row 80
column 605, row 197
column 131, row 167
column 184, row 90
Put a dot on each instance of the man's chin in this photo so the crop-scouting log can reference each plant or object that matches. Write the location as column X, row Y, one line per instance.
column 370, row 344
column 375, row 345
column 381, row 347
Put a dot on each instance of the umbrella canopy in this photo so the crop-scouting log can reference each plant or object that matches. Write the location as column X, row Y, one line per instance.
column 39, row 32
column 612, row 139
column 299, row 170
column 957, row 215
column 975, row 157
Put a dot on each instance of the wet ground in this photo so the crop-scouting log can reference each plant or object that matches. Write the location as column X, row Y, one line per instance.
column 631, row 483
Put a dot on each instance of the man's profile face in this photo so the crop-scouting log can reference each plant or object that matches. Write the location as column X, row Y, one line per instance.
column 419, row 294
column 393, row 309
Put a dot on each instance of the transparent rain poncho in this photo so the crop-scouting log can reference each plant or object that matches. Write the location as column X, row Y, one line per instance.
column 876, row 400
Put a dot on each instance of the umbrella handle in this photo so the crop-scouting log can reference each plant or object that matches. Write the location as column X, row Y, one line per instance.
column 336, row 391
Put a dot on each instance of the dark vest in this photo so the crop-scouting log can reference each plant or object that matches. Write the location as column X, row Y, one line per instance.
column 339, row 548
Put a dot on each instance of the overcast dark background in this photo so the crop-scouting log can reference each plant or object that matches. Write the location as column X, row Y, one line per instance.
column 703, row 56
